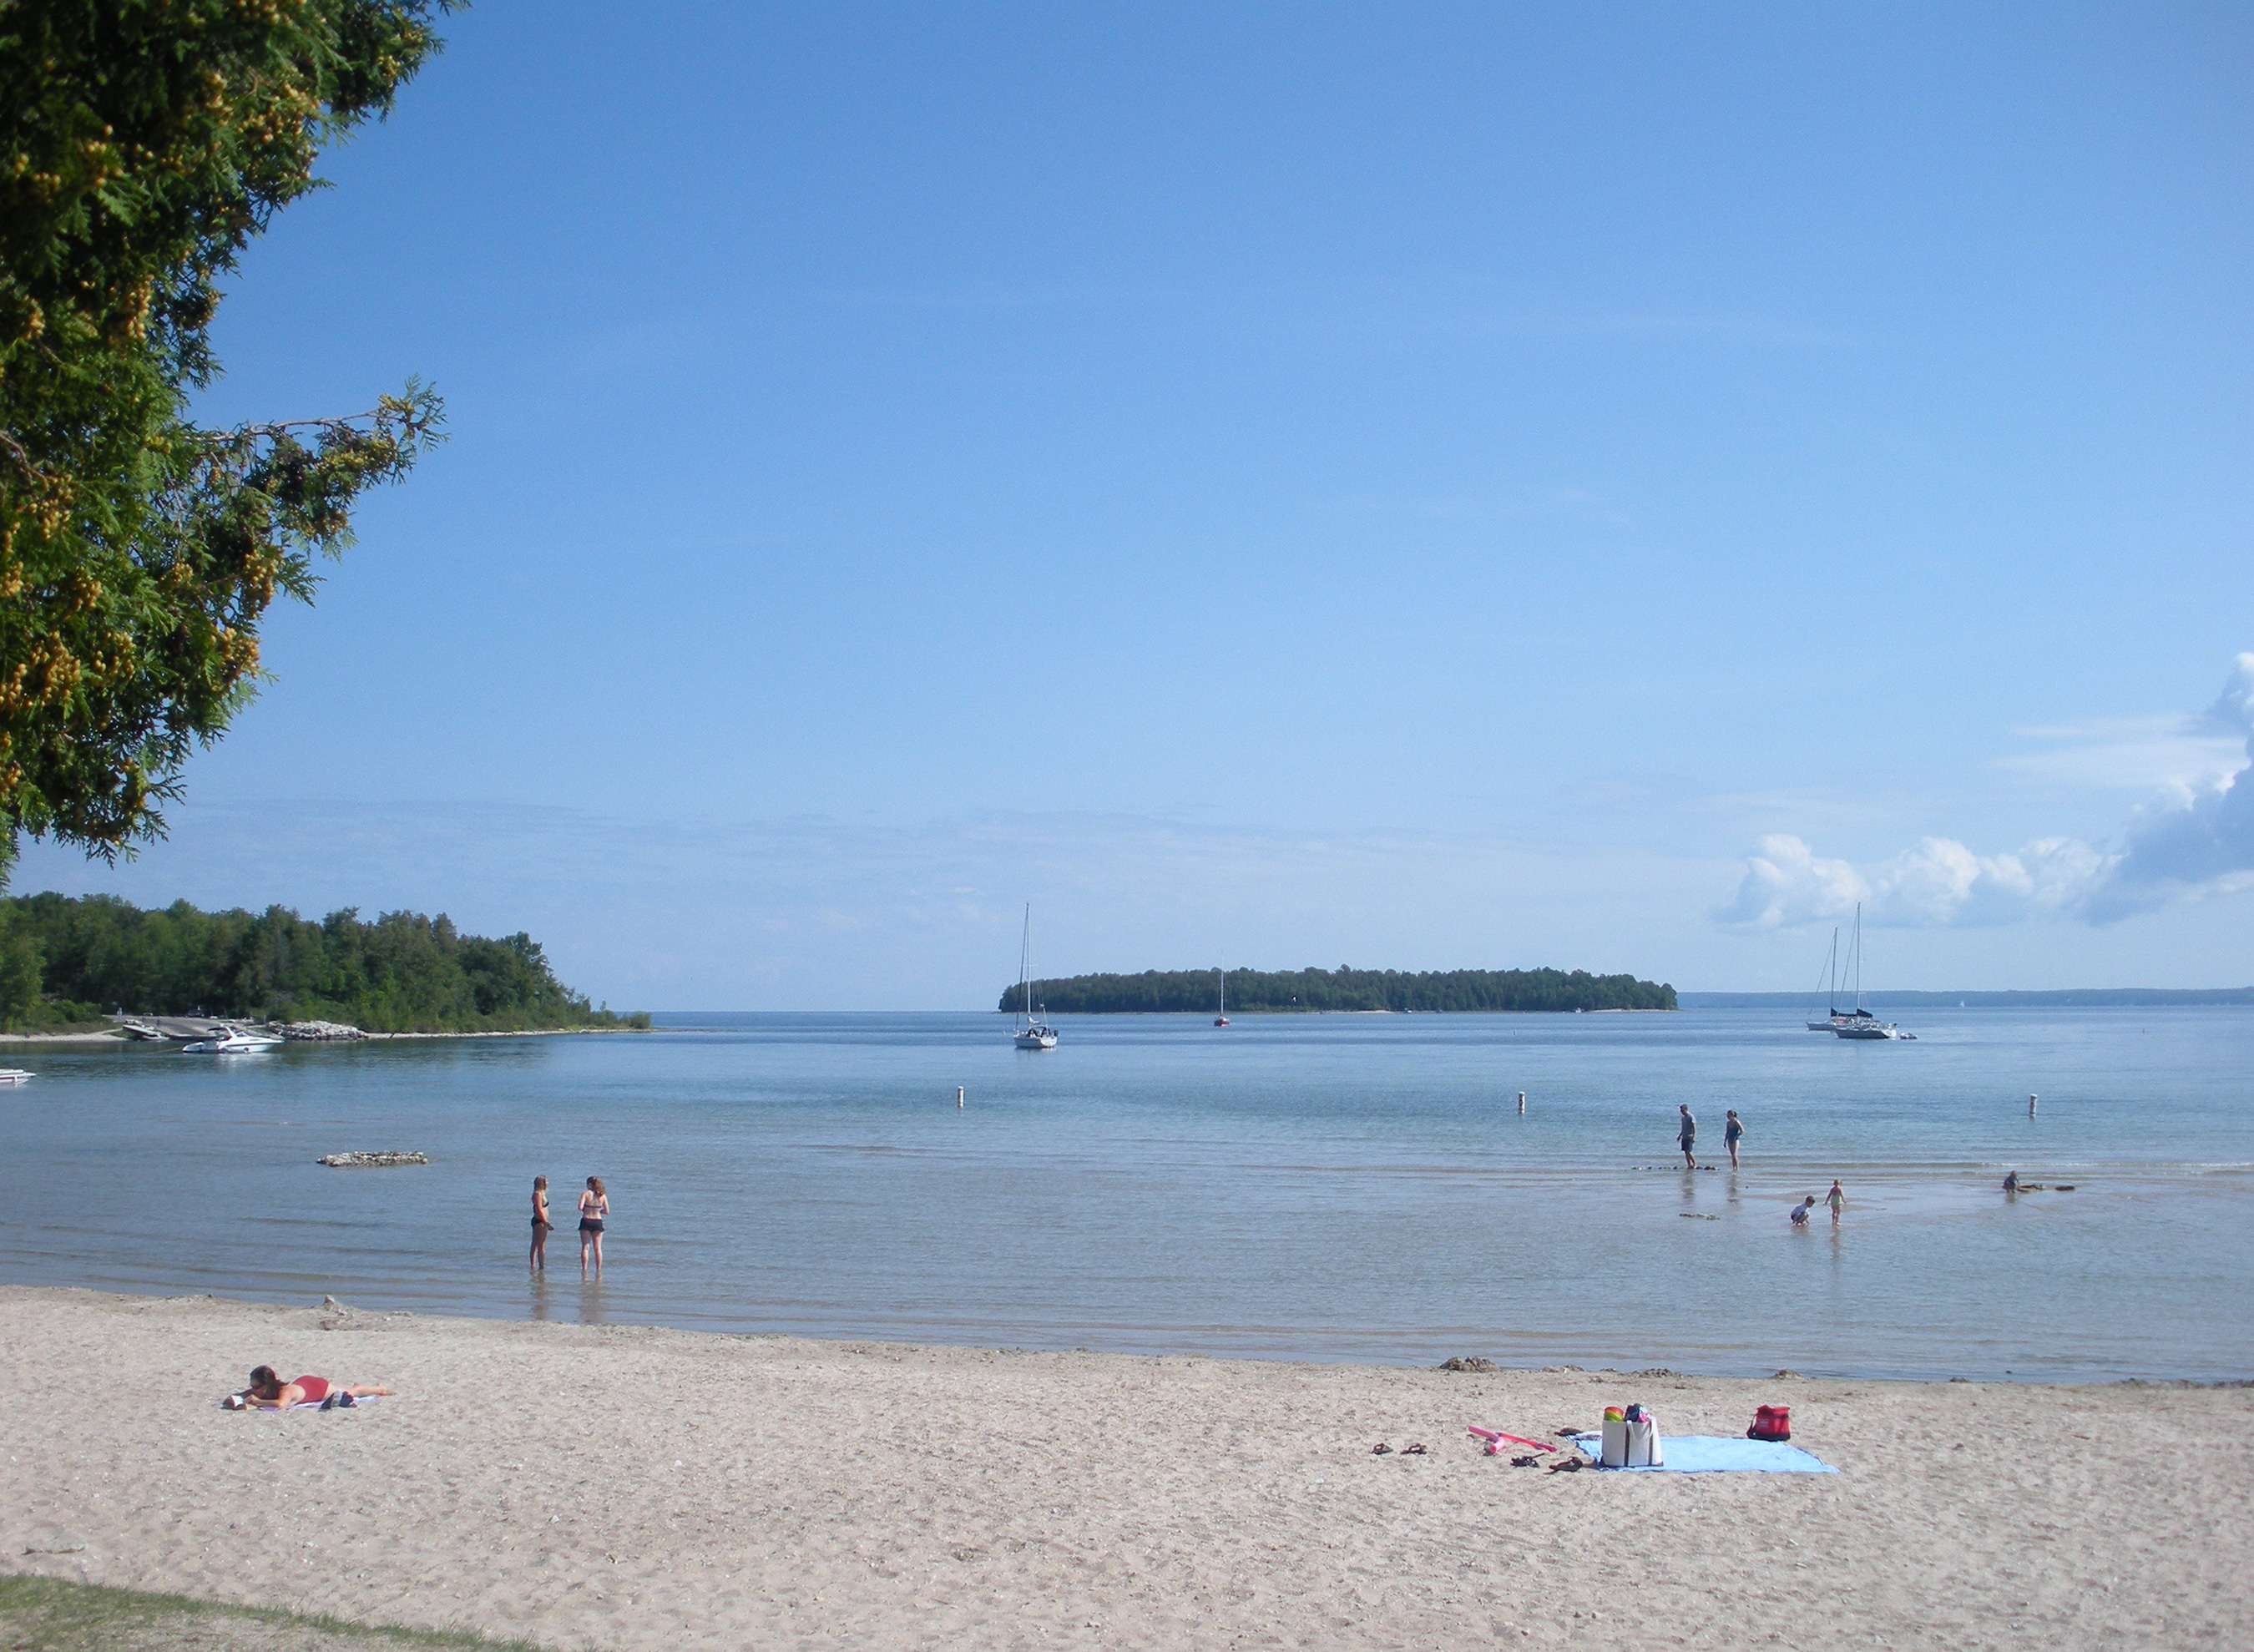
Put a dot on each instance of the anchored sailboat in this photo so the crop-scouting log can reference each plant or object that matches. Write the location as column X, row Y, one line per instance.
column 1030, row 1034
column 1828, row 989
column 1221, row 1018
column 1860, row 1023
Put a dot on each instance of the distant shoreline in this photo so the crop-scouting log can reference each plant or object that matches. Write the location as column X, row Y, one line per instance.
column 117, row 1036
column 2064, row 998
column 1235, row 1013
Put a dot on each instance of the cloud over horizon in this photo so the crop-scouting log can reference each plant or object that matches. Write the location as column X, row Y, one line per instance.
column 2195, row 843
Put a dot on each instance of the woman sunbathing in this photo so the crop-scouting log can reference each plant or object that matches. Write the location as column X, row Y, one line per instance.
column 268, row 1392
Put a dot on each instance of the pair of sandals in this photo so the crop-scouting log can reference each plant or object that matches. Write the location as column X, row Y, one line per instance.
column 338, row 1399
column 1383, row 1450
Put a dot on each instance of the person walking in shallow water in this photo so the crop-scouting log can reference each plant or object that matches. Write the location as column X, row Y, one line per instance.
column 594, row 1204
column 1837, row 1198
column 542, row 1227
column 1733, row 1131
column 1686, row 1137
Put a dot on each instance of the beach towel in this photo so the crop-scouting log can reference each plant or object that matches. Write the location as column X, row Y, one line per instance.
column 302, row 1405
column 1712, row 1454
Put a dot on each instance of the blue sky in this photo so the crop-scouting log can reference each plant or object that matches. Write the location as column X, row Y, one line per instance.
column 1599, row 485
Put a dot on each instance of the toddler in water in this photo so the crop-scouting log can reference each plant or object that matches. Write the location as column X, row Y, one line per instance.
column 1800, row 1211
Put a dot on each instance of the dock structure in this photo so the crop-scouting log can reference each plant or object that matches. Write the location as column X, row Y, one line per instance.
column 157, row 1029
column 186, row 1029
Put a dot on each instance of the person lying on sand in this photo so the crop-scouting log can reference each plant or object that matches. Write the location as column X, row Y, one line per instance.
column 268, row 1392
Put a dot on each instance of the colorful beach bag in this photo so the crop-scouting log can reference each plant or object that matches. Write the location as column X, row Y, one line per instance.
column 1771, row 1422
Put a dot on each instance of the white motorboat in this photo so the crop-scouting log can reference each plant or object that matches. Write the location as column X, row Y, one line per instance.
column 14, row 1075
column 234, row 1041
column 1030, row 1034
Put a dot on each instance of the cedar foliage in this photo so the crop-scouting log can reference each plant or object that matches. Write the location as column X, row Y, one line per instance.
column 403, row 973
column 143, row 144
column 1345, row 988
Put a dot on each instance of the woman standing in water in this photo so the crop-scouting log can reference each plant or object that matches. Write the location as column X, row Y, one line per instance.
column 1733, row 1131
column 594, row 1204
column 542, row 1227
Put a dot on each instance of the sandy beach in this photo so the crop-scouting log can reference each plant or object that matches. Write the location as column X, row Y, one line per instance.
column 632, row 1488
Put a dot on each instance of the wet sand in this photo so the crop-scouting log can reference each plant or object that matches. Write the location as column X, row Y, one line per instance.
column 638, row 1487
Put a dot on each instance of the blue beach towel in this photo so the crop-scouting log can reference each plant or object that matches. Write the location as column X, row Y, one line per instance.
column 1712, row 1454
column 302, row 1405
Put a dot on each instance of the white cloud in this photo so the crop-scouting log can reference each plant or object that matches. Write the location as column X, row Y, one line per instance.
column 2196, row 842
column 2203, row 845
column 2177, row 756
column 1938, row 881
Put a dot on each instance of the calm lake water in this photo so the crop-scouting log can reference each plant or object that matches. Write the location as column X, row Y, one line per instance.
column 1308, row 1188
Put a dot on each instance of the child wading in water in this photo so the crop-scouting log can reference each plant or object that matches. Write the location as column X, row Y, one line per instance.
column 1837, row 1198
column 542, row 1227
column 594, row 1204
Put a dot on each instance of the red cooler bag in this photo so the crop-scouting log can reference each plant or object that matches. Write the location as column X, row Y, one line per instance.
column 1771, row 1422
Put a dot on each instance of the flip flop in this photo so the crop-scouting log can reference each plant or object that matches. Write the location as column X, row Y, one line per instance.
column 1414, row 1450
column 1381, row 1450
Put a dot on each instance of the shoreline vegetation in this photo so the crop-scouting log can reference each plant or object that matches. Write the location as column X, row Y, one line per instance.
column 1303, row 991
column 55, row 1614
column 65, row 961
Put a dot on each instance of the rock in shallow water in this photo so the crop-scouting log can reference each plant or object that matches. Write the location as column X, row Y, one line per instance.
column 370, row 1161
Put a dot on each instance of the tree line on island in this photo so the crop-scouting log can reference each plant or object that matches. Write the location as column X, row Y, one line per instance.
column 1157, row 992
column 65, row 961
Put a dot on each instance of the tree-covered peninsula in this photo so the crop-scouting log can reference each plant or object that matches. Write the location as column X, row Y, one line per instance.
column 65, row 961
column 1158, row 990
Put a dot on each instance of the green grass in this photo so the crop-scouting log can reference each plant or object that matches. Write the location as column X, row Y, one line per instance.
column 47, row 1614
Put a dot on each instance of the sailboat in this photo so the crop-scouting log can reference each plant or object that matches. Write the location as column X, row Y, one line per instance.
column 1835, row 977
column 1860, row 1023
column 1030, row 1034
column 1221, row 1020
column 1830, row 984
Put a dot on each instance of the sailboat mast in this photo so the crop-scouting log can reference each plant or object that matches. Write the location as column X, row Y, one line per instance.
column 1858, row 957
column 1025, row 962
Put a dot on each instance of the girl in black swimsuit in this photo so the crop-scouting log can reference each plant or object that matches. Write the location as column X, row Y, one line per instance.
column 541, row 1226
column 594, row 1204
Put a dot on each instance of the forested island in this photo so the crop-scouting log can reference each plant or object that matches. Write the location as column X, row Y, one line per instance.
column 65, row 961
column 1156, row 991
